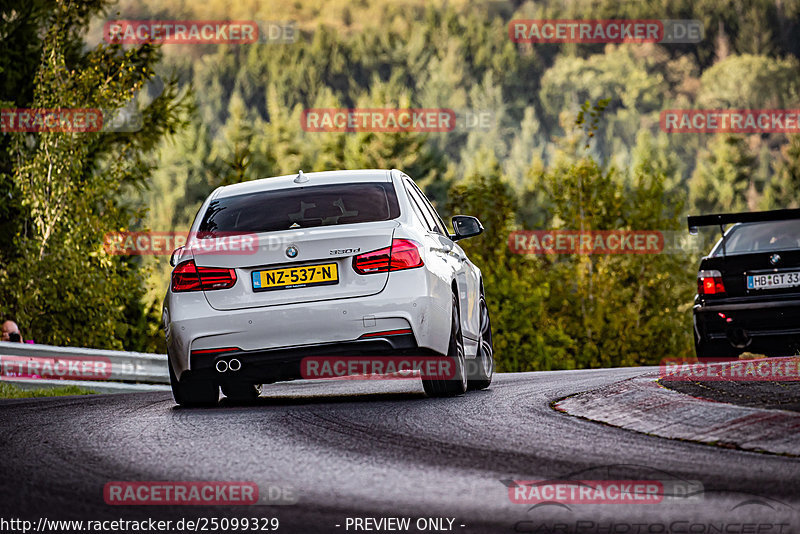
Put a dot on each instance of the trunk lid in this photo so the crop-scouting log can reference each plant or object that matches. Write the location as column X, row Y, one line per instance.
column 330, row 246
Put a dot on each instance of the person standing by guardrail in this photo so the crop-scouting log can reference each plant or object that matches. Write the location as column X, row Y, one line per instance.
column 10, row 332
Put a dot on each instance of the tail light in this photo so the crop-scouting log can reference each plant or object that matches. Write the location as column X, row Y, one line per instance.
column 710, row 283
column 403, row 254
column 189, row 277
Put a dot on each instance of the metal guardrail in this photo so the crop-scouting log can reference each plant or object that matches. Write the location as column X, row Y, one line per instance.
column 95, row 386
column 50, row 365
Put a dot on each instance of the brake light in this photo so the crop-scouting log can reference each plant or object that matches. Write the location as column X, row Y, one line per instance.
column 710, row 283
column 403, row 254
column 189, row 277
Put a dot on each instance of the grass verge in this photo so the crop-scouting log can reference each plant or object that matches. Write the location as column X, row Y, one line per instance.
column 10, row 391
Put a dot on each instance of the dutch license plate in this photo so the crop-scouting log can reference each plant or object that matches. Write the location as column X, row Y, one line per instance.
column 294, row 277
column 773, row 280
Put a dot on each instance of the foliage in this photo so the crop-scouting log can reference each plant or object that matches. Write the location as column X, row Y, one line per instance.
column 69, row 190
column 581, row 310
column 723, row 180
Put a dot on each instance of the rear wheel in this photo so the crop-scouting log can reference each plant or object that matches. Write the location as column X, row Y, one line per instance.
column 457, row 385
column 481, row 368
column 193, row 392
column 241, row 391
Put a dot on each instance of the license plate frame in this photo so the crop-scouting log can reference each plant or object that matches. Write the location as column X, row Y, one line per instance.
column 772, row 280
column 261, row 281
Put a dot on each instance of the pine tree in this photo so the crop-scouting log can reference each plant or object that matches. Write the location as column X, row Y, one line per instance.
column 723, row 178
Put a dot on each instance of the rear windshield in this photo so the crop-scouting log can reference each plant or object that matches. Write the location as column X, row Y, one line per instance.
column 302, row 207
column 761, row 237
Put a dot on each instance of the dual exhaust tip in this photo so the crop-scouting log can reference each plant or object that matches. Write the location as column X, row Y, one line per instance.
column 232, row 365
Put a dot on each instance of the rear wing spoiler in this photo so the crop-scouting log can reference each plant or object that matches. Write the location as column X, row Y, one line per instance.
column 721, row 219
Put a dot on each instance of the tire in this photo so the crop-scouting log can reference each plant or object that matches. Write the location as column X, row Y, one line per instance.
column 481, row 368
column 241, row 391
column 436, row 387
column 193, row 392
column 715, row 351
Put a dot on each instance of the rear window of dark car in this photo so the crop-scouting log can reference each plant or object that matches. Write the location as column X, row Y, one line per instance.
column 302, row 207
column 761, row 237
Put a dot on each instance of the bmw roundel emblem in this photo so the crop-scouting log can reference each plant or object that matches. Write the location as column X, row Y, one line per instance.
column 291, row 251
column 775, row 259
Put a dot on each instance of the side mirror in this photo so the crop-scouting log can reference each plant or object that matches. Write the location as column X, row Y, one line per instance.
column 175, row 253
column 465, row 226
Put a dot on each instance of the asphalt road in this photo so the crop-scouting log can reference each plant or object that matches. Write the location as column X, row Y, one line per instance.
column 358, row 449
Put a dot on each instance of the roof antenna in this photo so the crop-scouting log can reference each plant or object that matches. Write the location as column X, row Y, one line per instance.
column 301, row 178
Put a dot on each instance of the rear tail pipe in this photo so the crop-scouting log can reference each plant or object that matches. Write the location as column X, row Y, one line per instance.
column 739, row 338
column 232, row 365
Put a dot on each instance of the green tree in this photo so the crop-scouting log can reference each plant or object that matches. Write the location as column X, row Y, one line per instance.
column 60, row 282
column 523, row 340
column 781, row 191
column 625, row 309
column 753, row 82
column 723, row 179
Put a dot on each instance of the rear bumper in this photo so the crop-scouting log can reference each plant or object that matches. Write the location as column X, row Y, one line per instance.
column 273, row 334
column 761, row 327
column 275, row 365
